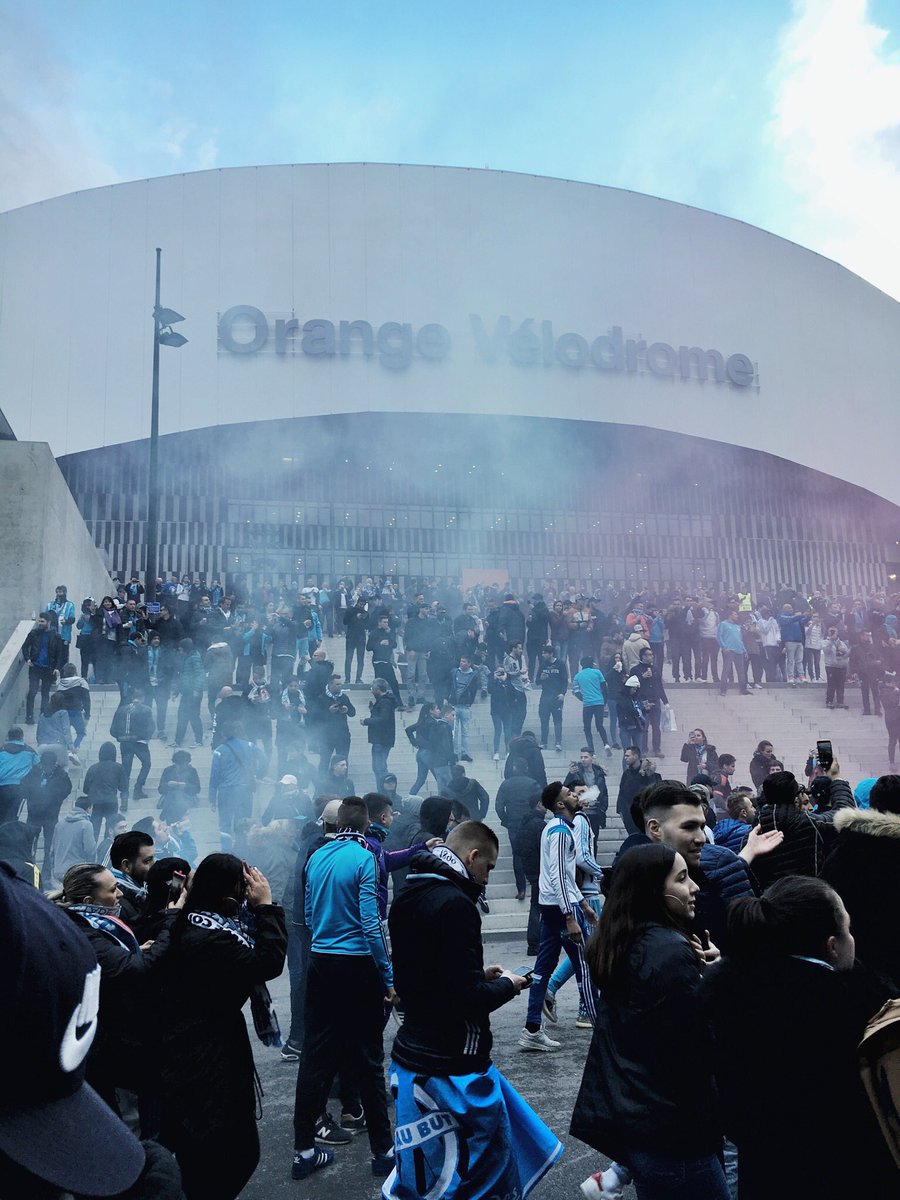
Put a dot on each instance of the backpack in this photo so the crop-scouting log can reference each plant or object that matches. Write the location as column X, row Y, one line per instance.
column 879, row 1066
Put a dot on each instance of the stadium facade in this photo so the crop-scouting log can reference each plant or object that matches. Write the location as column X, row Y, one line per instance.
column 423, row 370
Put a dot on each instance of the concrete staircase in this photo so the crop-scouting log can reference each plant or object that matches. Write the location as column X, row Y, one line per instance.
column 792, row 718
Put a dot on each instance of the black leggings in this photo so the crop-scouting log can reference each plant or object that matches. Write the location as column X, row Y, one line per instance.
column 593, row 713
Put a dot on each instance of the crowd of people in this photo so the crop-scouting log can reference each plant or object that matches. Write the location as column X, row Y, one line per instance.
column 728, row 962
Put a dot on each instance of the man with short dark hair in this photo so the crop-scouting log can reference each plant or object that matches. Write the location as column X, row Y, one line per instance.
column 16, row 761
column 515, row 800
column 463, row 693
column 553, row 679
column 734, row 654
column 132, row 727
column 674, row 814
column 566, row 917
column 43, row 652
column 381, row 645
column 131, row 857
column 652, row 697
column 63, row 611
column 349, row 981
column 631, row 782
column 381, row 728
column 441, row 1059
column 332, row 709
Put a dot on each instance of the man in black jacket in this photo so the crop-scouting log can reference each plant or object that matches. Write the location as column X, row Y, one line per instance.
column 381, row 645
column 381, row 725
column 516, row 798
column 132, row 727
column 355, row 622
column 46, row 787
column 43, row 651
column 448, row 995
column 652, row 696
column 553, row 678
column 332, row 708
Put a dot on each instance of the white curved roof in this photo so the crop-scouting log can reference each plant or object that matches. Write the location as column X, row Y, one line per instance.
column 606, row 295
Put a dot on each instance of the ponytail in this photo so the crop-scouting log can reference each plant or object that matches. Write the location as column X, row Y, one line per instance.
column 796, row 915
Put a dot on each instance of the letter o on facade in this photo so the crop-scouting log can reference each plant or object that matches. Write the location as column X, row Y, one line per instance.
column 241, row 313
column 662, row 359
column 572, row 350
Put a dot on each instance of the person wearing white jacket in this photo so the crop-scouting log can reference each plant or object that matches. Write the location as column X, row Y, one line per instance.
column 566, row 916
column 771, row 635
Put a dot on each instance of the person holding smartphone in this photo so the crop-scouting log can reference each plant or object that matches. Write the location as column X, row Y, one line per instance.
column 490, row 1142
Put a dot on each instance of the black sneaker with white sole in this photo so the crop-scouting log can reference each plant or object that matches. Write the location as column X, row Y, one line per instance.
column 290, row 1052
column 354, row 1123
column 329, row 1133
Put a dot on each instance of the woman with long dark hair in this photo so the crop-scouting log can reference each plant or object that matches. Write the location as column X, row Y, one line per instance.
column 647, row 1098
column 228, row 940
column 788, row 1007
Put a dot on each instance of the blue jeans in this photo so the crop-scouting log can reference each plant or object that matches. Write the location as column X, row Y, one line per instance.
column 380, row 764
column 461, row 730
column 565, row 970
column 659, row 1177
column 440, row 771
column 555, row 938
column 76, row 720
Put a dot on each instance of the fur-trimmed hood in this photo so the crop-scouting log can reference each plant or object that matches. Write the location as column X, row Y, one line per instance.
column 868, row 821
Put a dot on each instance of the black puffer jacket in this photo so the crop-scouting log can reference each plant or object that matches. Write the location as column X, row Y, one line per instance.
column 648, row 1083
column 864, row 869
column 439, row 972
column 806, row 837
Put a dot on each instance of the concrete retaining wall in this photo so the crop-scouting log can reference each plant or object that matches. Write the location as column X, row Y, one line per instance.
column 43, row 538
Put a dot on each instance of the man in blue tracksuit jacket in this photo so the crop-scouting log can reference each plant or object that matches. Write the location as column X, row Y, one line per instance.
column 349, row 979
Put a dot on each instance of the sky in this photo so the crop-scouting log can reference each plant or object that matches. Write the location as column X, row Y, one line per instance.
column 785, row 115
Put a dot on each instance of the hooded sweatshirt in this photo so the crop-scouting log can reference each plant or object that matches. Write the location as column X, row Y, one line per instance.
column 105, row 781
column 75, row 694
column 631, row 649
column 15, row 849
column 73, row 842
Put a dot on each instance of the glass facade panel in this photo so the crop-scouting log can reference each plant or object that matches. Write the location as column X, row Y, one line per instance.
column 226, row 504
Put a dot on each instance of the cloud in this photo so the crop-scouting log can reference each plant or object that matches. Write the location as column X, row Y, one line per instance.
column 43, row 150
column 836, row 128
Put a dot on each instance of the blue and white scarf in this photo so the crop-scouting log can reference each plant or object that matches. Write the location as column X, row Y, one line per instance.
column 265, row 1019
column 107, row 921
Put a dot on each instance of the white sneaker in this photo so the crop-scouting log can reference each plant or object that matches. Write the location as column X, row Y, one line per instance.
column 608, row 750
column 496, row 758
column 596, row 1188
column 537, row 1041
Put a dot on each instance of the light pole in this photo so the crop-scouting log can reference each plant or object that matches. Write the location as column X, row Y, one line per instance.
column 163, row 335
